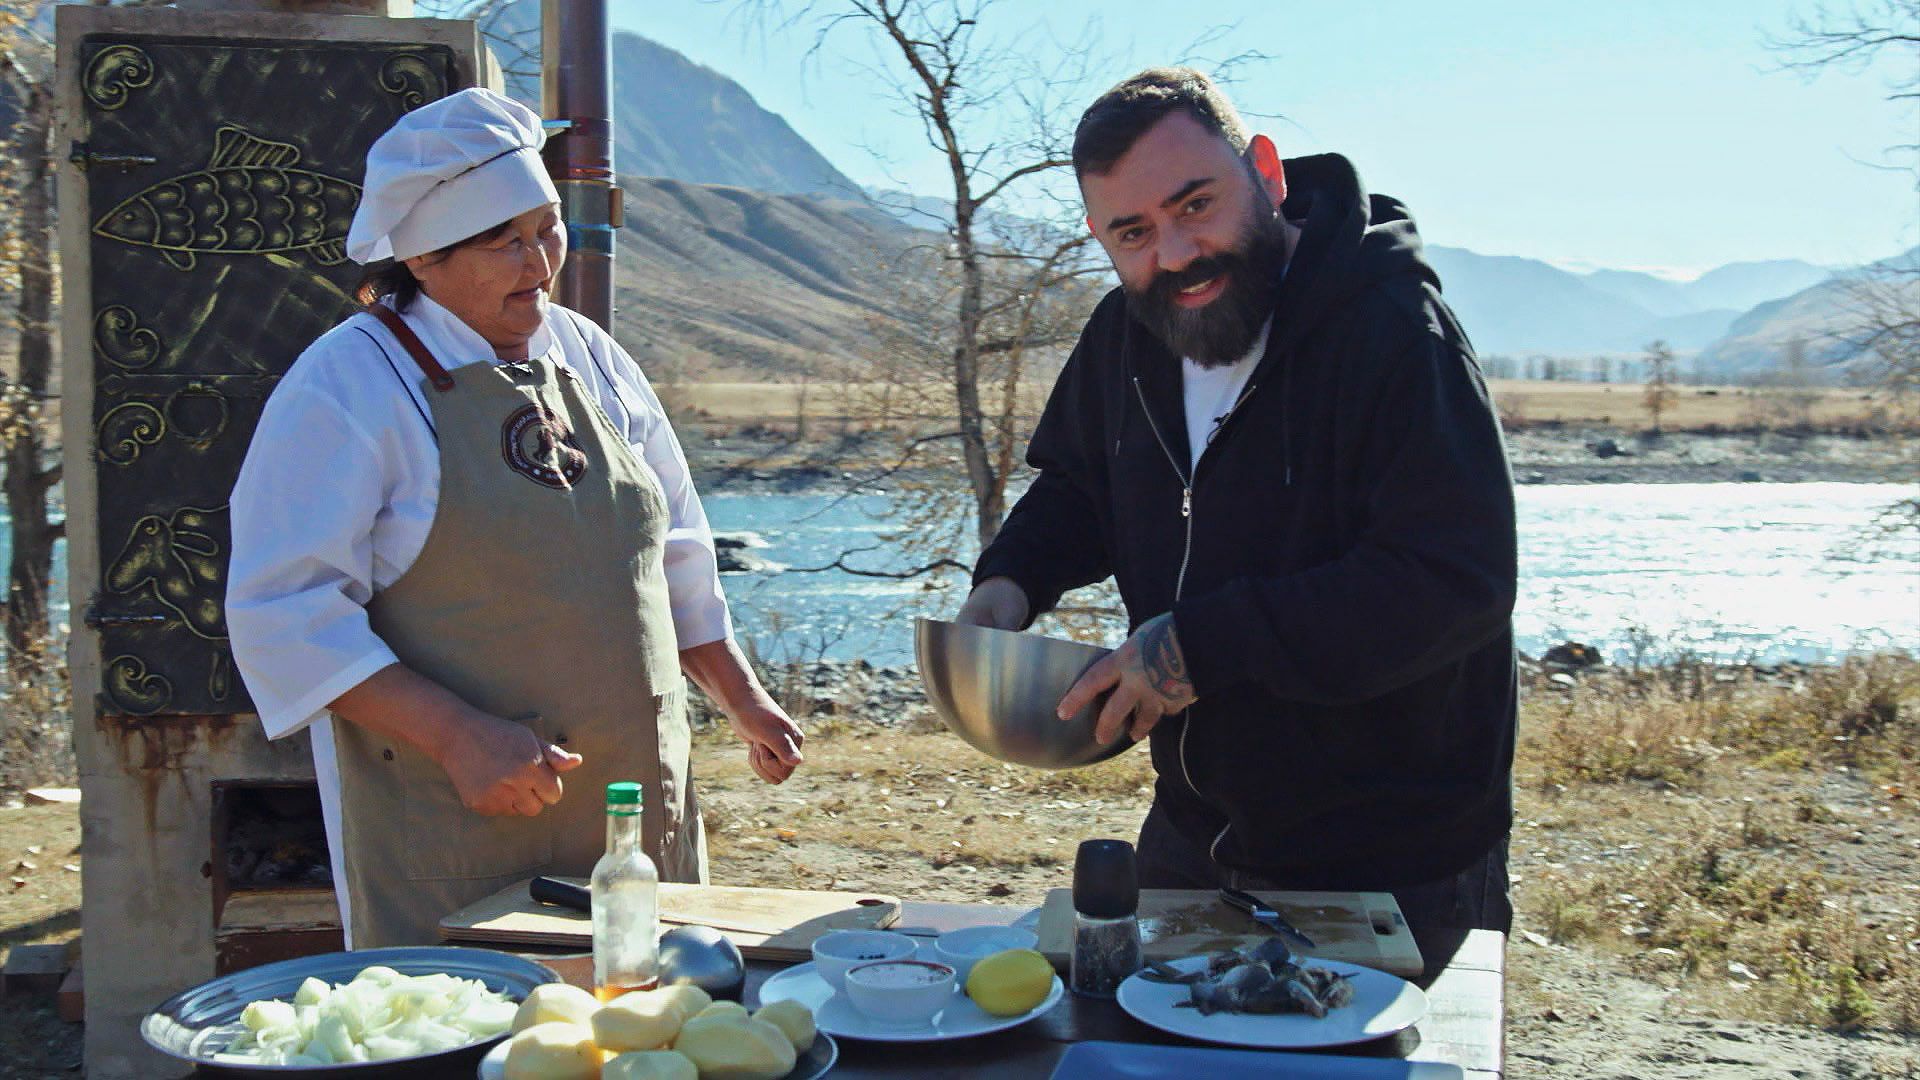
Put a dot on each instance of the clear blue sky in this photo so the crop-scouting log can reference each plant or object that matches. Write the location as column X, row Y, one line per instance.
column 1652, row 134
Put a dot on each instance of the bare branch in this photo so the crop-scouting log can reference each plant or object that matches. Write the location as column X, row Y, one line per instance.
column 840, row 564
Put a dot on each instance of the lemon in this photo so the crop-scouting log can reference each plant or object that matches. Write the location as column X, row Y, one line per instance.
column 1010, row 983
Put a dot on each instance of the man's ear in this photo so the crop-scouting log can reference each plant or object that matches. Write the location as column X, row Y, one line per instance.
column 1091, row 231
column 1267, row 166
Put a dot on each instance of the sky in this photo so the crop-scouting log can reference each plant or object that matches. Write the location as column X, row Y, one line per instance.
column 1658, row 135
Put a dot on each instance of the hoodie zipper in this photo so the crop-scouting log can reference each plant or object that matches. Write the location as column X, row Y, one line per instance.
column 1186, row 555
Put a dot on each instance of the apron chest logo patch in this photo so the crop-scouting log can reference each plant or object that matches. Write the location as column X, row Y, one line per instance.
column 539, row 445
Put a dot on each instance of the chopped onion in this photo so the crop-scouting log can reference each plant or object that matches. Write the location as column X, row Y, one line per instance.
column 380, row 1015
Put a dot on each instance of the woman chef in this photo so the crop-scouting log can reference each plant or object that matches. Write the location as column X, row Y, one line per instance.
column 466, row 529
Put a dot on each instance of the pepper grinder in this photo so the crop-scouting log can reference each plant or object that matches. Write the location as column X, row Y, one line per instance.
column 1106, row 933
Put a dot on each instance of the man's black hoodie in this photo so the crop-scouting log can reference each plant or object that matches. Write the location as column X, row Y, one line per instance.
column 1340, row 564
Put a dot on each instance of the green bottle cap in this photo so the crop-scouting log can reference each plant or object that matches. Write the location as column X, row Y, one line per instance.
column 623, row 794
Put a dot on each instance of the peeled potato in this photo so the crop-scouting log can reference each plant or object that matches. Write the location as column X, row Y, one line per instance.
column 651, row 1065
column 555, row 1050
column 730, row 1009
column 726, row 1048
column 689, row 998
column 554, row 1001
column 641, row 1020
column 794, row 1020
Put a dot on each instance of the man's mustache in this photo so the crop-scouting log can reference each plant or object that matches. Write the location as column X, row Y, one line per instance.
column 1203, row 269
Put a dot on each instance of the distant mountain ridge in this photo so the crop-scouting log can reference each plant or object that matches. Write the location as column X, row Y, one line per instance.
column 678, row 120
column 756, row 278
column 1516, row 305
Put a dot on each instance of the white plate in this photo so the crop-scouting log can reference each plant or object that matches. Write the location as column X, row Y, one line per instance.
column 1382, row 1004
column 814, row 1063
column 834, row 1013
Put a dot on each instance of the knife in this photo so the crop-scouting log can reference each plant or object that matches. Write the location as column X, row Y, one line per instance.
column 1265, row 916
column 566, row 894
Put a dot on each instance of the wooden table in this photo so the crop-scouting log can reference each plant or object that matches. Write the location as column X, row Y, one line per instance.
column 1465, row 1023
column 1465, row 983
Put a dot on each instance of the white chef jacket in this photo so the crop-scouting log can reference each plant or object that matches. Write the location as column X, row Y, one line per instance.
column 338, row 492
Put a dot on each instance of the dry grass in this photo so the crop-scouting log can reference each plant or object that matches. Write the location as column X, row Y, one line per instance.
column 1521, row 403
column 1713, row 827
column 36, row 737
column 1529, row 402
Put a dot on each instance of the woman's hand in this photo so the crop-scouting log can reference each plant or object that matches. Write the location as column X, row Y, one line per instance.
column 773, row 739
column 723, row 674
column 501, row 768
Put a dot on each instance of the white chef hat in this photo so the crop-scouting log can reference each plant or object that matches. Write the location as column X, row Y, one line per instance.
column 446, row 171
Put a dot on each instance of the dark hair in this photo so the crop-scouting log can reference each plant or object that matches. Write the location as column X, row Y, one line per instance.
column 1120, row 116
column 391, row 278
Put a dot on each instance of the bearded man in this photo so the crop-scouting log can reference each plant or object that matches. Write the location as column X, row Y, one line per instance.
column 1275, row 438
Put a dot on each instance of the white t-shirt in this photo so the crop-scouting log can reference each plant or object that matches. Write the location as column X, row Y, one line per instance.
column 1211, row 392
column 338, row 492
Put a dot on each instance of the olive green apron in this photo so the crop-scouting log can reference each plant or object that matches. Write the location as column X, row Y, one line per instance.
column 539, row 596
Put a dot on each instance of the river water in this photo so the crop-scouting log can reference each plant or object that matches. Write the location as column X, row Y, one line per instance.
column 1761, row 572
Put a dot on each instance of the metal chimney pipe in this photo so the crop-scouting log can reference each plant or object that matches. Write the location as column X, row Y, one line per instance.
column 576, row 79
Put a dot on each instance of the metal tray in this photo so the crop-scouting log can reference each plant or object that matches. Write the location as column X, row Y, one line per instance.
column 195, row 1024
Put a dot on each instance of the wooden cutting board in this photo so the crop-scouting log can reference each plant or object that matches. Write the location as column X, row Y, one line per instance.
column 1363, row 928
column 770, row 924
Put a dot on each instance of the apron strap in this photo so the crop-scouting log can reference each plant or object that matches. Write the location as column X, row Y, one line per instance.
column 414, row 346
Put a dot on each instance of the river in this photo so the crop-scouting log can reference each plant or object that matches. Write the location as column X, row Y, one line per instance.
column 1761, row 572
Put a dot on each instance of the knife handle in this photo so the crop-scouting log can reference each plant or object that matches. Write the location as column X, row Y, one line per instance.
column 1243, row 900
column 566, row 894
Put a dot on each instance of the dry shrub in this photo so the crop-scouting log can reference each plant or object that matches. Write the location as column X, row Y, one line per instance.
column 1603, row 734
column 36, row 728
column 1562, row 908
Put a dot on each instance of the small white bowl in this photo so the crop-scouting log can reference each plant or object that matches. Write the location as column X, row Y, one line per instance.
column 961, row 949
column 837, row 950
column 900, row 993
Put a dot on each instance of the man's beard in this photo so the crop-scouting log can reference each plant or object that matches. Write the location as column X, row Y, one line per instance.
column 1221, row 332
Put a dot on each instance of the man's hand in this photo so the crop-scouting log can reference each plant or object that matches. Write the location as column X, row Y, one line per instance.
column 997, row 602
column 773, row 739
column 501, row 768
column 1148, row 677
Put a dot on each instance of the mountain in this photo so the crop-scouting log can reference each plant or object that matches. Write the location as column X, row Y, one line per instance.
column 1823, row 319
column 676, row 119
column 1742, row 285
column 1517, row 306
column 1513, row 305
column 747, row 253
column 1657, row 295
column 717, row 282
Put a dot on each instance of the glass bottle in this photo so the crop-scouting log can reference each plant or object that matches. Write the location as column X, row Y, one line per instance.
column 625, row 887
column 1106, row 930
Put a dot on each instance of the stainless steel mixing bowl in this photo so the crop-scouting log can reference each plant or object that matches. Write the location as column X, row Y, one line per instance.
column 998, row 689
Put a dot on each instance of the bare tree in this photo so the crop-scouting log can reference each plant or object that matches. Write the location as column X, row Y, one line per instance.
column 27, row 446
column 995, row 118
column 1881, row 332
column 1659, row 395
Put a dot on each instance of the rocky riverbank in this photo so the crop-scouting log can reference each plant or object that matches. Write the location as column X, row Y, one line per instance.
column 770, row 463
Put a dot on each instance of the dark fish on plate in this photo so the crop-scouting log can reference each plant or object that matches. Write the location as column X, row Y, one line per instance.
column 1258, row 979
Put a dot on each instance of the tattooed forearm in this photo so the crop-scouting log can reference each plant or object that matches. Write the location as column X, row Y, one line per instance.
column 1162, row 661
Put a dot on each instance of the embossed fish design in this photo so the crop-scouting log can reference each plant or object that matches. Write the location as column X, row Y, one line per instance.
column 249, row 200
